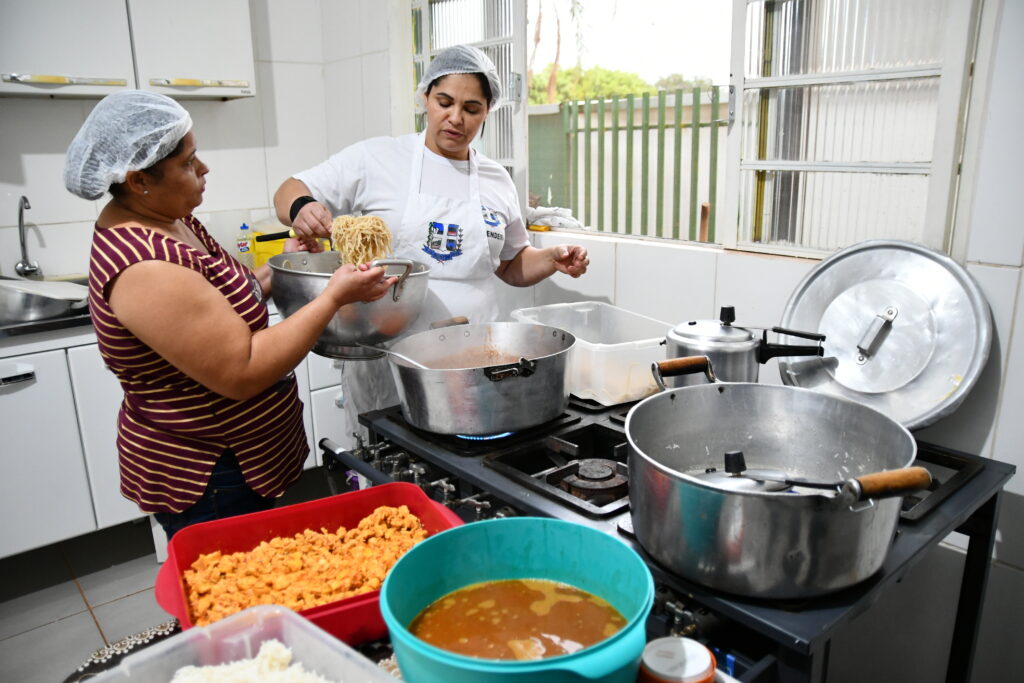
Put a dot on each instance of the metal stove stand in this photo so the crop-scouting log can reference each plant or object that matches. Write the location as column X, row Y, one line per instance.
column 784, row 642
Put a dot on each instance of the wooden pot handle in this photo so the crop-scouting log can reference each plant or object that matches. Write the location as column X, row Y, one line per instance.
column 891, row 484
column 687, row 365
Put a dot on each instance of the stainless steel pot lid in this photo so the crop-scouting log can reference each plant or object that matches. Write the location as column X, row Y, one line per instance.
column 907, row 330
column 709, row 331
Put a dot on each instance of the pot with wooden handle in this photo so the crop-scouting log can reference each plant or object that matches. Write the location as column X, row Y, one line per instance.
column 805, row 503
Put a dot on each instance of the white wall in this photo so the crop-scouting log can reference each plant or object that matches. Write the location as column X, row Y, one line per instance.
column 331, row 72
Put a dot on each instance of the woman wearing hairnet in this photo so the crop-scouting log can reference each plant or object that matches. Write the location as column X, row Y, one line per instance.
column 444, row 203
column 211, row 423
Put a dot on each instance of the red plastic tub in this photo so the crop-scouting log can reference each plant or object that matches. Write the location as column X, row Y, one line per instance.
column 353, row 620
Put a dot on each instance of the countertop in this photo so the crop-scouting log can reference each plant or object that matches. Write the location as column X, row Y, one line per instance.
column 64, row 322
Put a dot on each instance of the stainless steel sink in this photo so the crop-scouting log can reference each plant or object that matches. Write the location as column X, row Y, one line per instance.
column 23, row 307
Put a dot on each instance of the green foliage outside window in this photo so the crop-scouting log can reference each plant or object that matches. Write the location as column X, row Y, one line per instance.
column 576, row 83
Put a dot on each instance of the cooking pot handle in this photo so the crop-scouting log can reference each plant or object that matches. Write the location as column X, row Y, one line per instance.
column 396, row 291
column 687, row 365
column 890, row 484
column 521, row 368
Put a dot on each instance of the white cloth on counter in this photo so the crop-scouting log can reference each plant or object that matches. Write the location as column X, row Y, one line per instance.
column 553, row 216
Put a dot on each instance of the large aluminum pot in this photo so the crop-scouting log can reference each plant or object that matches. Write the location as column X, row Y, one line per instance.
column 299, row 277
column 742, row 534
column 482, row 379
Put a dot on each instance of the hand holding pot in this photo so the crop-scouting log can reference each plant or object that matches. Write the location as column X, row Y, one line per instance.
column 358, row 283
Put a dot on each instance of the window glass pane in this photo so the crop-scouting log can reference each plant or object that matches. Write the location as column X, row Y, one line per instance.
column 819, row 210
column 887, row 121
column 830, row 36
column 453, row 22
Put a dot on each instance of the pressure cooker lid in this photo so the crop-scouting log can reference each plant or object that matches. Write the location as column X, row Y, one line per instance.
column 709, row 331
column 907, row 330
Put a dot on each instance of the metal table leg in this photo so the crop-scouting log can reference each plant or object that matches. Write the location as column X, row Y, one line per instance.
column 981, row 530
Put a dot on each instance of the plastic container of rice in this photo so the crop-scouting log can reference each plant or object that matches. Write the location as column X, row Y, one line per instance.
column 240, row 637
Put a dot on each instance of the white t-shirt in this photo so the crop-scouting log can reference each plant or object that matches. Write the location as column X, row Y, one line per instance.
column 372, row 177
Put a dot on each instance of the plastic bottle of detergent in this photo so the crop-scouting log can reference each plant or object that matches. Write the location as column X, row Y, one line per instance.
column 244, row 247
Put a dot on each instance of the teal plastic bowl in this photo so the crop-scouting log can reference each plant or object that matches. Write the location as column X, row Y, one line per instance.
column 519, row 548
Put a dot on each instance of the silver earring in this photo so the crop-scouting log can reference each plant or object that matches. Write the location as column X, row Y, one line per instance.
column 145, row 192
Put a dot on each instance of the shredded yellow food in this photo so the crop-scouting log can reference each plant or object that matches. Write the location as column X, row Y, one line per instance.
column 360, row 239
column 312, row 568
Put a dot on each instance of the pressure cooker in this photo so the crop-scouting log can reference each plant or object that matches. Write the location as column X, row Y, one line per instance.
column 735, row 352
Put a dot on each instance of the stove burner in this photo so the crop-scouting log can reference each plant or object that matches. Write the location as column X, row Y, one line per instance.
column 597, row 480
column 486, row 437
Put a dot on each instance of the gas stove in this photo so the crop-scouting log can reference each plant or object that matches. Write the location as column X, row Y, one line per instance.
column 574, row 468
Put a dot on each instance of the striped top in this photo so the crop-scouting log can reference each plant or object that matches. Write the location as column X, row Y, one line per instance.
column 171, row 429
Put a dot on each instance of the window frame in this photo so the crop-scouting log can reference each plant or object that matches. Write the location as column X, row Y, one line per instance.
column 943, row 170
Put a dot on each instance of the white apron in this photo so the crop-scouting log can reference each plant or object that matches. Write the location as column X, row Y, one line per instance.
column 451, row 236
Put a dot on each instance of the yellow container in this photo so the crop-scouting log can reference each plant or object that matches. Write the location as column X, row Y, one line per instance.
column 264, row 250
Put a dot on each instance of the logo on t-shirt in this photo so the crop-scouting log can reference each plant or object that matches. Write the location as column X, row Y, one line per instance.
column 444, row 240
column 491, row 217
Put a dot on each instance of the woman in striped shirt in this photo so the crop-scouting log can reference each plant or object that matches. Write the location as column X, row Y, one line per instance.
column 211, row 423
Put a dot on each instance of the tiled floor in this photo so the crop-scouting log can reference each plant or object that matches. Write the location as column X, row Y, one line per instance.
column 61, row 603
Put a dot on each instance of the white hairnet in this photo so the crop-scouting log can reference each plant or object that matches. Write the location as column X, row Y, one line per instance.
column 461, row 59
column 127, row 131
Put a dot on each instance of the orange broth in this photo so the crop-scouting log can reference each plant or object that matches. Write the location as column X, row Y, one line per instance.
column 517, row 619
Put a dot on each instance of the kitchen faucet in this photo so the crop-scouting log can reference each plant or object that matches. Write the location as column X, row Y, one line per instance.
column 24, row 267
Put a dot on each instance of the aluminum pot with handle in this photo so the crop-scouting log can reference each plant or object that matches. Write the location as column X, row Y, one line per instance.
column 482, row 379
column 299, row 277
column 736, row 352
column 704, row 515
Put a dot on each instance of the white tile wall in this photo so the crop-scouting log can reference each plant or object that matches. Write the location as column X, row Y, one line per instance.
column 287, row 31
column 34, row 135
column 229, row 137
column 375, row 92
column 598, row 284
column 997, row 231
column 969, row 428
column 1009, row 437
column 342, row 30
column 58, row 248
column 343, row 83
column 294, row 119
column 373, row 25
column 666, row 282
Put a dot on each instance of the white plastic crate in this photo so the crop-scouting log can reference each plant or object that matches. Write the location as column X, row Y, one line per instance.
column 239, row 636
column 611, row 361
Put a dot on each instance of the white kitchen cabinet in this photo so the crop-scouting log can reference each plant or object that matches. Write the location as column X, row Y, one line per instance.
column 189, row 49
column 194, row 48
column 323, row 372
column 65, row 48
column 302, row 375
column 98, row 397
column 329, row 418
column 44, row 488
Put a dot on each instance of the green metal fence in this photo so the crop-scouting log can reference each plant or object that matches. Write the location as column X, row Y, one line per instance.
column 635, row 166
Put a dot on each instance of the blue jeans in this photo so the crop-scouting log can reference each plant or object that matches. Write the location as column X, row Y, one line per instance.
column 226, row 495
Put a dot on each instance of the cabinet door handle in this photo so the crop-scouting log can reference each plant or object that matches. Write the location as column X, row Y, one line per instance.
column 197, row 83
column 21, row 372
column 49, row 79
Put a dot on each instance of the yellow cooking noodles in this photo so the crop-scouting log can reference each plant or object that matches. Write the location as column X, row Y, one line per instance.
column 360, row 239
